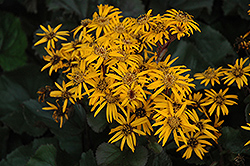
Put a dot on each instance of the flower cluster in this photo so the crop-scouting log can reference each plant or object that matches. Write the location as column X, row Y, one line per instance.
column 120, row 65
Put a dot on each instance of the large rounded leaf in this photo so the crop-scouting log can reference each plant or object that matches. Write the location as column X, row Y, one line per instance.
column 13, row 42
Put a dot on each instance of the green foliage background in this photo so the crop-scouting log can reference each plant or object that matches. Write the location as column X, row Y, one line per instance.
column 29, row 136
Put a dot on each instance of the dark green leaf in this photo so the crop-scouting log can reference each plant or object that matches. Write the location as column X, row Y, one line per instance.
column 247, row 112
column 190, row 56
column 160, row 159
column 30, row 78
column 72, row 145
column 12, row 95
column 88, row 158
column 31, row 5
column 74, row 126
column 153, row 145
column 4, row 132
column 239, row 7
column 213, row 46
column 190, row 5
column 193, row 6
column 234, row 139
column 18, row 123
column 79, row 7
column 130, row 8
column 247, row 99
column 44, row 156
column 98, row 123
column 20, row 156
column 13, row 112
column 12, row 50
column 108, row 154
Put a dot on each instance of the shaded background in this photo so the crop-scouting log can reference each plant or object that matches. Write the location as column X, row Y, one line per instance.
column 29, row 136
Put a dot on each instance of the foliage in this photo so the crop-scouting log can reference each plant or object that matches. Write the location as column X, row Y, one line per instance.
column 30, row 134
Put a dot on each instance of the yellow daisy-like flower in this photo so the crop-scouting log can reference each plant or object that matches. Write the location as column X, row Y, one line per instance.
column 202, row 124
column 51, row 35
column 72, row 47
column 237, row 73
column 132, row 95
column 179, row 31
column 195, row 142
column 100, row 85
column 120, row 29
column 66, row 95
column 145, row 110
column 246, row 128
column 55, row 60
column 158, row 31
column 58, row 114
column 101, row 20
column 210, row 75
column 84, row 24
column 143, row 23
column 101, row 54
column 129, row 58
column 243, row 42
column 218, row 101
column 171, row 120
column 127, row 130
column 79, row 77
column 180, row 18
column 217, row 125
column 111, row 101
column 196, row 99
column 127, row 76
column 248, row 10
column 43, row 93
column 171, row 80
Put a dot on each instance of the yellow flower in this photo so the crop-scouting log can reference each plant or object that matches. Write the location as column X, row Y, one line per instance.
column 202, row 124
column 58, row 113
column 237, row 73
column 129, row 58
column 171, row 120
column 217, row 125
column 79, row 77
column 101, row 20
column 243, row 42
column 195, row 143
column 179, row 31
column 246, row 128
column 145, row 110
column 158, row 31
column 248, row 10
column 100, row 84
column 127, row 130
column 172, row 81
column 196, row 99
column 143, row 23
column 72, row 47
column 120, row 29
column 218, row 101
column 55, row 60
column 127, row 76
column 180, row 18
column 132, row 95
column 111, row 101
column 210, row 75
column 101, row 54
column 43, row 93
column 84, row 24
column 66, row 95
column 51, row 36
